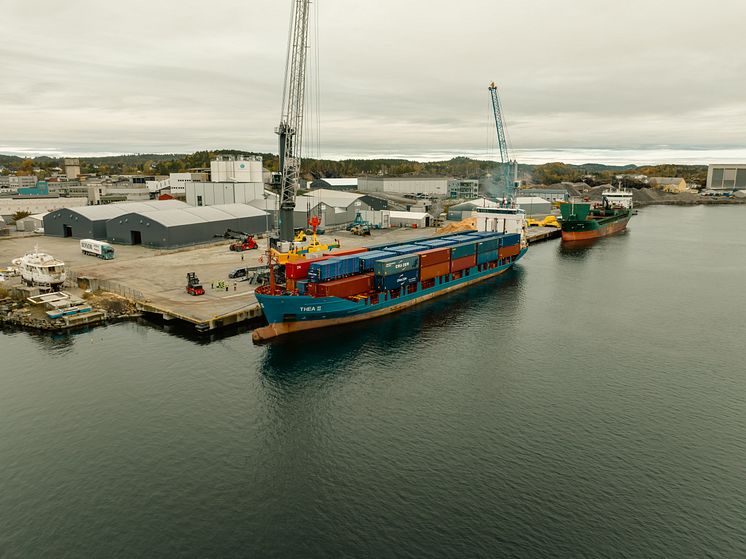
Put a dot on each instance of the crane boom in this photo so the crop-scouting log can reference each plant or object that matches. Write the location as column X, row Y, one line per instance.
column 501, row 141
column 290, row 130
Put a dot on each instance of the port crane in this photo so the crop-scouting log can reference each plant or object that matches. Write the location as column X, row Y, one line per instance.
column 505, row 163
column 290, row 130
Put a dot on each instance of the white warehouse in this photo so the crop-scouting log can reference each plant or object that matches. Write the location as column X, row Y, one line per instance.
column 236, row 168
column 432, row 186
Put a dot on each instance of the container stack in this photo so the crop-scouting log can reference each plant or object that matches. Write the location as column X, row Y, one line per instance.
column 396, row 271
column 434, row 263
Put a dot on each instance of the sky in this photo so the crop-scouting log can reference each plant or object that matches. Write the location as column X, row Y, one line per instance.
column 580, row 80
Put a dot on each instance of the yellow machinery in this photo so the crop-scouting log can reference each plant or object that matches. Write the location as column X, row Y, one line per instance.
column 548, row 221
column 303, row 245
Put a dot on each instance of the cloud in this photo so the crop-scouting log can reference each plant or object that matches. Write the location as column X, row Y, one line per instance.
column 396, row 77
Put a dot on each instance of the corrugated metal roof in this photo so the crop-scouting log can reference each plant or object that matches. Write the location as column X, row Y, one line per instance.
column 341, row 182
column 333, row 198
column 110, row 211
column 201, row 214
column 529, row 200
column 407, row 215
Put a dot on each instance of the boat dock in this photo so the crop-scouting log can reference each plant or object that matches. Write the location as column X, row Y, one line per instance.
column 538, row 234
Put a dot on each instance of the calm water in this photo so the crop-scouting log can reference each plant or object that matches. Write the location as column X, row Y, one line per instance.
column 592, row 403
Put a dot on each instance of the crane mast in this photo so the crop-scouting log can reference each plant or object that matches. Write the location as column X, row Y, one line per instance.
column 502, row 142
column 290, row 130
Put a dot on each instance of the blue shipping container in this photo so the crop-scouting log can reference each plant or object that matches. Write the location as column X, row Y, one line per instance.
column 333, row 268
column 463, row 249
column 435, row 243
column 405, row 249
column 487, row 245
column 511, row 239
column 369, row 258
column 301, row 286
column 489, row 256
column 394, row 281
column 462, row 238
column 396, row 264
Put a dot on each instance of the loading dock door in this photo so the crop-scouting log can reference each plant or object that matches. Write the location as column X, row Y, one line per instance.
column 136, row 237
column 67, row 231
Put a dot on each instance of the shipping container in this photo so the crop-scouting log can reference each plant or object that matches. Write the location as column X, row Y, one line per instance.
column 488, row 245
column 299, row 269
column 463, row 249
column 436, row 242
column 404, row 249
column 346, row 251
column 511, row 239
column 346, row 287
column 435, row 270
column 463, row 238
column 394, row 281
column 334, row 268
column 505, row 252
column 489, row 256
column 434, row 256
column 369, row 258
column 463, row 263
column 301, row 286
column 396, row 264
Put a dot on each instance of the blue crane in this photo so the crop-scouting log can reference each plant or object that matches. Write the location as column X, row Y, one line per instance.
column 505, row 163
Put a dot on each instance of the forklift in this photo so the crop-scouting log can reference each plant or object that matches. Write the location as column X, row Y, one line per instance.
column 244, row 241
column 194, row 287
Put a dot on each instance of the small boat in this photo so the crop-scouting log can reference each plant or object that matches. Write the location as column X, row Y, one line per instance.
column 40, row 268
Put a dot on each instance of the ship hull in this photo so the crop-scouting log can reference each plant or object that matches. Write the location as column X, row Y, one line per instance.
column 594, row 229
column 289, row 314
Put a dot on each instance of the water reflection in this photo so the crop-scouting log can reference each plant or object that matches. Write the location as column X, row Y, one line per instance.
column 316, row 353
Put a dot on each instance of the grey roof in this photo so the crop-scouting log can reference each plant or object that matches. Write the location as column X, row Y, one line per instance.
column 110, row 211
column 202, row 214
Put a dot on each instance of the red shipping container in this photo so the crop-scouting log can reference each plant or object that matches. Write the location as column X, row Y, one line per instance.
column 346, row 287
column 463, row 263
column 434, row 271
column 434, row 256
column 345, row 252
column 505, row 252
column 299, row 268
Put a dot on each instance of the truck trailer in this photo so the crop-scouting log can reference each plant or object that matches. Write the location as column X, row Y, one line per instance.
column 99, row 249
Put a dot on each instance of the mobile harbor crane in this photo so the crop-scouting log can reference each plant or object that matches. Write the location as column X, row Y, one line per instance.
column 507, row 166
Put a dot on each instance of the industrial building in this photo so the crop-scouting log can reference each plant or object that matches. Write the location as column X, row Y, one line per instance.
column 89, row 222
column 534, row 206
column 463, row 188
column 349, row 183
column 430, row 186
column 218, row 193
column 409, row 219
column 726, row 177
column 550, row 194
column 38, row 204
column 184, row 226
column 236, row 168
column 31, row 223
column 465, row 209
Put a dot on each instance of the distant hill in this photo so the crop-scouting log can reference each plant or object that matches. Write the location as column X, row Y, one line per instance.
column 548, row 173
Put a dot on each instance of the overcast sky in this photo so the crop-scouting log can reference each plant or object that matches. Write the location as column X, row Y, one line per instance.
column 397, row 77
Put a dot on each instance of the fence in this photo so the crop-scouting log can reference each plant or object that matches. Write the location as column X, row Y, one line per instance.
column 87, row 282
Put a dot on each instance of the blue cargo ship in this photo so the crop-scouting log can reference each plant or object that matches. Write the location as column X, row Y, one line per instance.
column 387, row 280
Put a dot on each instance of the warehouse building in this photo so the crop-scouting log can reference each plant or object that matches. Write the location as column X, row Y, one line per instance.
column 409, row 219
column 31, row 223
column 461, row 211
column 335, row 183
column 89, row 222
column 726, row 177
column 550, row 194
column 428, row 186
column 534, row 206
column 184, row 226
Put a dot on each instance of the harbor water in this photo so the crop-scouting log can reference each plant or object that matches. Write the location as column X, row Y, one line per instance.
column 589, row 403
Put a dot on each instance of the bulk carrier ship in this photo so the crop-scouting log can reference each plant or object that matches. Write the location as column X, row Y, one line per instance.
column 583, row 220
column 354, row 285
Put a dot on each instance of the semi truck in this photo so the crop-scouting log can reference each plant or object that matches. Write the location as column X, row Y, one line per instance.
column 99, row 249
